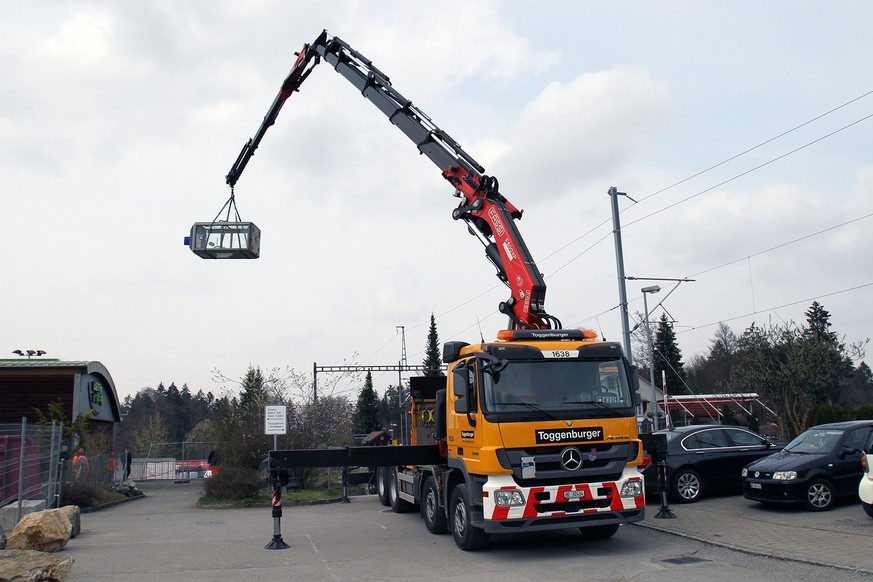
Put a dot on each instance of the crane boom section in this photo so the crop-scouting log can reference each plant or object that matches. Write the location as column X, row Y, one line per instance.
column 489, row 216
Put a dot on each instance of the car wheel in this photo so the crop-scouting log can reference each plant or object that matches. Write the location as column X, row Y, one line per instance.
column 599, row 532
column 466, row 536
column 382, row 485
column 819, row 495
column 434, row 513
column 868, row 508
column 686, row 486
column 398, row 505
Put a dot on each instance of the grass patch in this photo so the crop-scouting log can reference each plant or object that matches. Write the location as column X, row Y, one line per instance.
column 298, row 495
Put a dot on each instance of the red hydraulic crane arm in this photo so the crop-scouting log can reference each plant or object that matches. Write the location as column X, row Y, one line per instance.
column 489, row 216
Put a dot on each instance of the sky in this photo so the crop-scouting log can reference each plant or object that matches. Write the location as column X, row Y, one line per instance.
column 741, row 132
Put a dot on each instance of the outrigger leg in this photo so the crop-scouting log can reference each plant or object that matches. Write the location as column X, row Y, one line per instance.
column 277, row 543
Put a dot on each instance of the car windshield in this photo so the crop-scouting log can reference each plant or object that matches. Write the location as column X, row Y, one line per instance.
column 557, row 385
column 815, row 440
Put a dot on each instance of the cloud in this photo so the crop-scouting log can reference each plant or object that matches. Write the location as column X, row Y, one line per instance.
column 83, row 41
column 583, row 131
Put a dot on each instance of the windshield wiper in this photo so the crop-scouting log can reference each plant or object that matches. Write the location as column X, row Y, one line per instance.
column 531, row 406
column 602, row 405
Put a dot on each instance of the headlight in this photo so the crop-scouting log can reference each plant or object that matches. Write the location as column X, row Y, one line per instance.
column 785, row 475
column 508, row 498
column 744, row 472
column 632, row 489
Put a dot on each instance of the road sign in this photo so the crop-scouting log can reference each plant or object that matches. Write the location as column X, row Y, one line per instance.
column 276, row 420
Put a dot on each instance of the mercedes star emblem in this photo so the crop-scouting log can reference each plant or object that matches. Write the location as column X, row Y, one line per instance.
column 571, row 458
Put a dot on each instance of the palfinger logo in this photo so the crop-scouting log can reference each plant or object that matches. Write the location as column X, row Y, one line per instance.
column 495, row 220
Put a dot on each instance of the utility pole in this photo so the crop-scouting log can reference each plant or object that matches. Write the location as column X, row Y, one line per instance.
column 401, row 365
column 619, row 263
column 654, row 406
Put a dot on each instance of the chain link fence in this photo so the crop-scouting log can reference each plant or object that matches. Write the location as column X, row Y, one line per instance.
column 30, row 470
column 179, row 460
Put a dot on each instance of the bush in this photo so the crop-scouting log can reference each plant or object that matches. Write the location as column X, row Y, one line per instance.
column 81, row 494
column 233, row 484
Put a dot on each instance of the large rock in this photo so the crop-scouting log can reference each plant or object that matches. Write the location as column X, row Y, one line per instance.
column 71, row 512
column 33, row 566
column 129, row 489
column 46, row 531
column 9, row 513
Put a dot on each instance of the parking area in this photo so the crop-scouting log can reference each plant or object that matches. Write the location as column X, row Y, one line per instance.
column 164, row 536
column 840, row 537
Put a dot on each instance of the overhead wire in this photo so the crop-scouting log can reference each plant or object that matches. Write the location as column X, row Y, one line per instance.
column 682, row 201
column 723, row 162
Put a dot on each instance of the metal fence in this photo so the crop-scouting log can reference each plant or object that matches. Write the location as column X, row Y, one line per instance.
column 178, row 460
column 30, row 469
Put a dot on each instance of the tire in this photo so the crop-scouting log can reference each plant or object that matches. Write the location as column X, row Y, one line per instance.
column 382, row 485
column 819, row 495
column 434, row 514
column 467, row 537
column 868, row 508
column 686, row 486
column 398, row 505
column 599, row 532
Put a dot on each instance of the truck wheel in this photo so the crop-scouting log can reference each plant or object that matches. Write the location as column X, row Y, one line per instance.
column 819, row 495
column 382, row 485
column 599, row 532
column 434, row 514
column 466, row 536
column 397, row 505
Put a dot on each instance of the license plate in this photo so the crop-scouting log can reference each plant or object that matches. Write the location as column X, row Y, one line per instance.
column 755, row 485
column 574, row 494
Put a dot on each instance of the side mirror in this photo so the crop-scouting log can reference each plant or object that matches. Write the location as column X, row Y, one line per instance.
column 452, row 351
column 460, row 389
column 846, row 451
column 634, row 385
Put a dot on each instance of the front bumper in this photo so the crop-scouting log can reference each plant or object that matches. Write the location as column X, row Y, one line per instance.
column 865, row 488
column 772, row 491
column 555, row 507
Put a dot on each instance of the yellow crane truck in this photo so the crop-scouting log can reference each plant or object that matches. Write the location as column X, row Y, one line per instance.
column 534, row 431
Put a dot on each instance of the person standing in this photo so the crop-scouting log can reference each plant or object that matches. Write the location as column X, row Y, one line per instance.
column 214, row 460
column 126, row 460
column 80, row 465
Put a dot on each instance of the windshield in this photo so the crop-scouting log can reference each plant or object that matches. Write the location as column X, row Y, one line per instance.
column 815, row 440
column 558, row 385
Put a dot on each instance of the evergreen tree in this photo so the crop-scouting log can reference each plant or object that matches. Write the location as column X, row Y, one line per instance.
column 712, row 372
column 366, row 417
column 432, row 360
column 668, row 357
column 254, row 390
column 389, row 408
column 829, row 368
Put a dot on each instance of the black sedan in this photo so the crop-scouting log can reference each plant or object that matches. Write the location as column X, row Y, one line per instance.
column 706, row 458
column 819, row 466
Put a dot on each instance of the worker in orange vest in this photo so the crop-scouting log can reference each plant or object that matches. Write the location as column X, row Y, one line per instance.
column 80, row 465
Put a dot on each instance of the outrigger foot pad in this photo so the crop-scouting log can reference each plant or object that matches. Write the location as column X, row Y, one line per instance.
column 277, row 543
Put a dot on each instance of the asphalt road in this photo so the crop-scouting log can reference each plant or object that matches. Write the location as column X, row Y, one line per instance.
column 163, row 536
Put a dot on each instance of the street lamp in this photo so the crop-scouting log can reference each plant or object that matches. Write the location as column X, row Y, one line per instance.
column 646, row 290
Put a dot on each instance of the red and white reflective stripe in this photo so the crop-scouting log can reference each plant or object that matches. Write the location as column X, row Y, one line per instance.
column 544, row 495
column 277, row 500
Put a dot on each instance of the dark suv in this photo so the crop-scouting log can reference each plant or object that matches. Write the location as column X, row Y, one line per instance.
column 822, row 464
